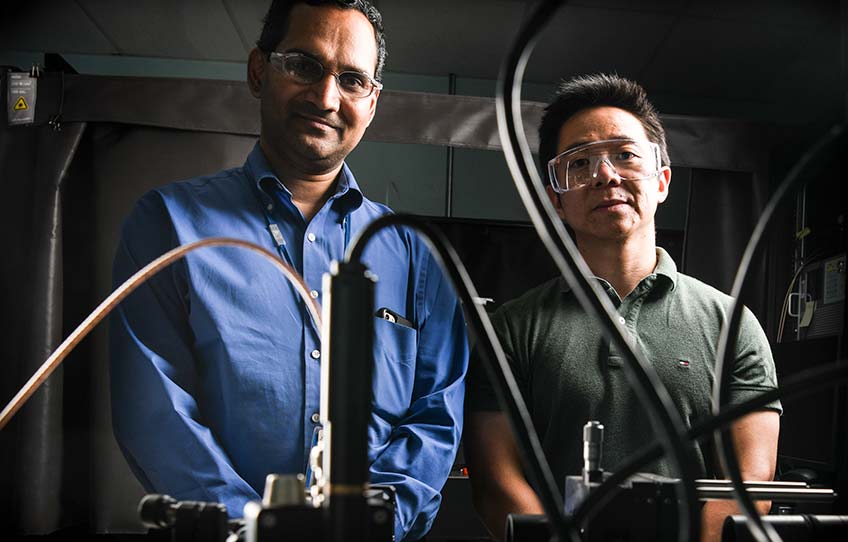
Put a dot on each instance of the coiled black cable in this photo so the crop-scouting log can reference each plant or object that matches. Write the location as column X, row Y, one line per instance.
column 813, row 378
column 664, row 416
column 803, row 383
column 807, row 167
column 652, row 392
column 506, row 389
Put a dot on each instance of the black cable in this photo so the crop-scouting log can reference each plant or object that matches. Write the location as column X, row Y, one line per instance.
column 506, row 389
column 800, row 384
column 807, row 167
column 664, row 416
column 638, row 460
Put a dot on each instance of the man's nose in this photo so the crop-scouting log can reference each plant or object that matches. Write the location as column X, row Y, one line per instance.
column 604, row 173
column 325, row 94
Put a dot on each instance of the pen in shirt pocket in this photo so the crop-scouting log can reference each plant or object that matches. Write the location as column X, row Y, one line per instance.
column 393, row 317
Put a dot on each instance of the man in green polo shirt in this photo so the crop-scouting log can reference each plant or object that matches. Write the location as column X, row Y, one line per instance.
column 604, row 147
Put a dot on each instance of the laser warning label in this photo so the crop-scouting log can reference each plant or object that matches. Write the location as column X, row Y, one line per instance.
column 22, row 91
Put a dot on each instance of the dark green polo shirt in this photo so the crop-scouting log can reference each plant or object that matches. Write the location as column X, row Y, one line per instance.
column 568, row 375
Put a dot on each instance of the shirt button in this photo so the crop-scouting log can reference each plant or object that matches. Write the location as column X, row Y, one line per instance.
column 314, row 294
column 316, row 354
column 621, row 320
column 270, row 207
column 315, row 417
column 310, row 237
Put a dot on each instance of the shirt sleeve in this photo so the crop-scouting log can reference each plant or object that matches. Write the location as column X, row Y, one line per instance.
column 423, row 445
column 155, row 414
column 753, row 370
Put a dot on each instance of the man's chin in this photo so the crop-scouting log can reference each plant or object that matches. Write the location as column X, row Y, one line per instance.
column 610, row 231
column 317, row 160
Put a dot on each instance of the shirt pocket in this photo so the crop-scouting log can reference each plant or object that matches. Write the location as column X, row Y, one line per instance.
column 395, row 343
column 395, row 350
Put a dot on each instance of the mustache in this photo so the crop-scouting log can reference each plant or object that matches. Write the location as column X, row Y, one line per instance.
column 309, row 110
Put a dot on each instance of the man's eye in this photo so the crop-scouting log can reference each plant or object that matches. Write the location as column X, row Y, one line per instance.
column 352, row 80
column 626, row 155
column 303, row 67
column 578, row 163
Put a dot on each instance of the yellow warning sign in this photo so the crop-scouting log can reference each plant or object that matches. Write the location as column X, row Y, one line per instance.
column 21, row 104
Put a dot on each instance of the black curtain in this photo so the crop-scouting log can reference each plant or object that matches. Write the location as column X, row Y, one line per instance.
column 724, row 207
column 34, row 161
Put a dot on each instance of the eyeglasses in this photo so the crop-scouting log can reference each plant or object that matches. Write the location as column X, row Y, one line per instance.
column 305, row 70
column 630, row 160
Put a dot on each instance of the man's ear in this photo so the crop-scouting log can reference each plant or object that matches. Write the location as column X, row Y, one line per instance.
column 373, row 106
column 664, row 179
column 555, row 201
column 256, row 65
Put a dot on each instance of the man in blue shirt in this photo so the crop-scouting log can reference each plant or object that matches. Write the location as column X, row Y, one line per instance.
column 215, row 361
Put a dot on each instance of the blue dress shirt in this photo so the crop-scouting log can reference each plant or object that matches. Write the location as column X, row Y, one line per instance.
column 215, row 361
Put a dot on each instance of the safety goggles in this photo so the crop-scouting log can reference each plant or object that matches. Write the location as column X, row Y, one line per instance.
column 627, row 159
column 305, row 70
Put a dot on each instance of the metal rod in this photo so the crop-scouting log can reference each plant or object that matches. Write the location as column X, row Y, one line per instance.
column 449, row 172
column 757, row 483
column 758, row 493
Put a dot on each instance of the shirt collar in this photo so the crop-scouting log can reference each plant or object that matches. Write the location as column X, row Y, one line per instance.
column 666, row 268
column 347, row 198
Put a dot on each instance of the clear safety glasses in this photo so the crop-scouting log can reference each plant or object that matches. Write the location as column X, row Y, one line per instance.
column 628, row 159
column 305, row 70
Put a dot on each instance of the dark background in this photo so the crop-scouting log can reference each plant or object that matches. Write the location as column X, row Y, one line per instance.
column 773, row 69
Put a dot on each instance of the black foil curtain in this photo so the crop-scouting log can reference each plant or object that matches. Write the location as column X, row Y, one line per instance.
column 60, row 465
column 724, row 207
column 34, row 162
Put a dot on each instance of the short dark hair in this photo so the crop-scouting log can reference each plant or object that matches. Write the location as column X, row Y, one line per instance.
column 598, row 90
column 276, row 23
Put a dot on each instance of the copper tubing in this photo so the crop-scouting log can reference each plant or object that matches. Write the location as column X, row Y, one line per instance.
column 125, row 289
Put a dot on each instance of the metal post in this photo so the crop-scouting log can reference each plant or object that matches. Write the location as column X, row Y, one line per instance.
column 346, row 393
